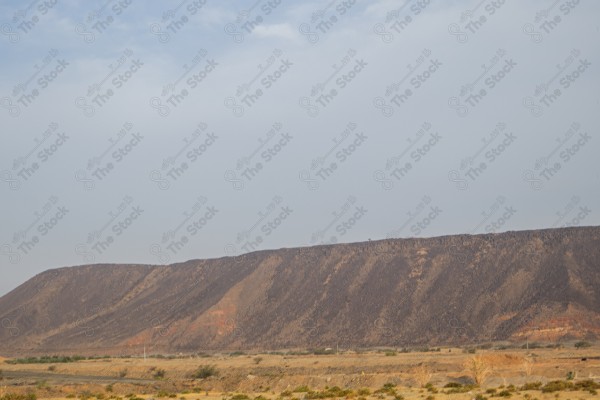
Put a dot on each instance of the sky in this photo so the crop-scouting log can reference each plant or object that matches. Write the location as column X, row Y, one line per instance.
column 156, row 132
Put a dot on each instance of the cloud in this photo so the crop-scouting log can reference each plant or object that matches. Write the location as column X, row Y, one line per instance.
column 281, row 31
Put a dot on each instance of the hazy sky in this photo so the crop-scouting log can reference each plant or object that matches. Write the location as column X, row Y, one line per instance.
column 160, row 131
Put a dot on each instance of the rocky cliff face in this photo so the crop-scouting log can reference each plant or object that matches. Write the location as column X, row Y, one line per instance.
column 541, row 285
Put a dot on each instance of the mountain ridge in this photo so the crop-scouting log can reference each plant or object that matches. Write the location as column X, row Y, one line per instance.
column 517, row 285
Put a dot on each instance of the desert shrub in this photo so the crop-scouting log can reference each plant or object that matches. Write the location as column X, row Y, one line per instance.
column 452, row 385
column 123, row 373
column 240, row 397
column 109, row 388
column 205, row 371
column 286, row 393
column 570, row 375
column 302, row 389
column 532, row 386
column 257, row 360
column 390, row 353
column 556, row 386
column 237, row 353
column 159, row 374
column 323, row 351
column 430, row 388
column 480, row 397
column 15, row 396
column 363, row 392
column 582, row 344
column 504, row 393
column 260, row 397
column 47, row 360
column 327, row 393
column 430, row 397
column 52, row 368
column 491, row 391
column 387, row 388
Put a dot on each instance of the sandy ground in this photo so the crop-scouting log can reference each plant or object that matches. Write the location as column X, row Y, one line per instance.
column 269, row 375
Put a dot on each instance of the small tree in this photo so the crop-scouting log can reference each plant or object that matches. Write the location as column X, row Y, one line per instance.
column 478, row 368
column 422, row 375
column 528, row 366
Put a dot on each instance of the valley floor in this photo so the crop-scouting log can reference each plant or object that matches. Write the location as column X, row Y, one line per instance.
column 386, row 375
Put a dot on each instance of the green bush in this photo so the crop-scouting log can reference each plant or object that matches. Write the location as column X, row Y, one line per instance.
column 240, row 397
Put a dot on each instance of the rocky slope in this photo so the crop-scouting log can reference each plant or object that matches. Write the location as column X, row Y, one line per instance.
column 541, row 285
